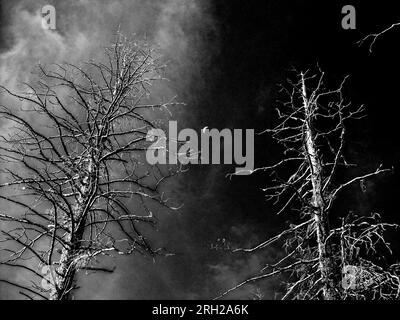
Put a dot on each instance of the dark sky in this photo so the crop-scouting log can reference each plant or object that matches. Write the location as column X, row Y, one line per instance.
column 227, row 58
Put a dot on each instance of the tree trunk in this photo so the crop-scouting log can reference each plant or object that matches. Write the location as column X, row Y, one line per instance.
column 69, row 259
column 326, row 262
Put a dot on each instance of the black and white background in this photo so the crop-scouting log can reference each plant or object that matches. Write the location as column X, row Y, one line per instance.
column 225, row 61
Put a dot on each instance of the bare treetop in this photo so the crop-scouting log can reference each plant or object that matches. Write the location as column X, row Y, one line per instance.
column 305, row 183
column 74, row 174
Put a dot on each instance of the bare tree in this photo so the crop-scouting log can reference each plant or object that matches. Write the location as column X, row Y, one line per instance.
column 327, row 255
column 77, row 186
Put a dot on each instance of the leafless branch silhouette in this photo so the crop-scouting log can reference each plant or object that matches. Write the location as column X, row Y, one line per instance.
column 78, row 187
column 307, row 181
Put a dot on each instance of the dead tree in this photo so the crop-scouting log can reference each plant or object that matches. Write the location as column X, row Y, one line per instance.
column 322, row 260
column 75, row 182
